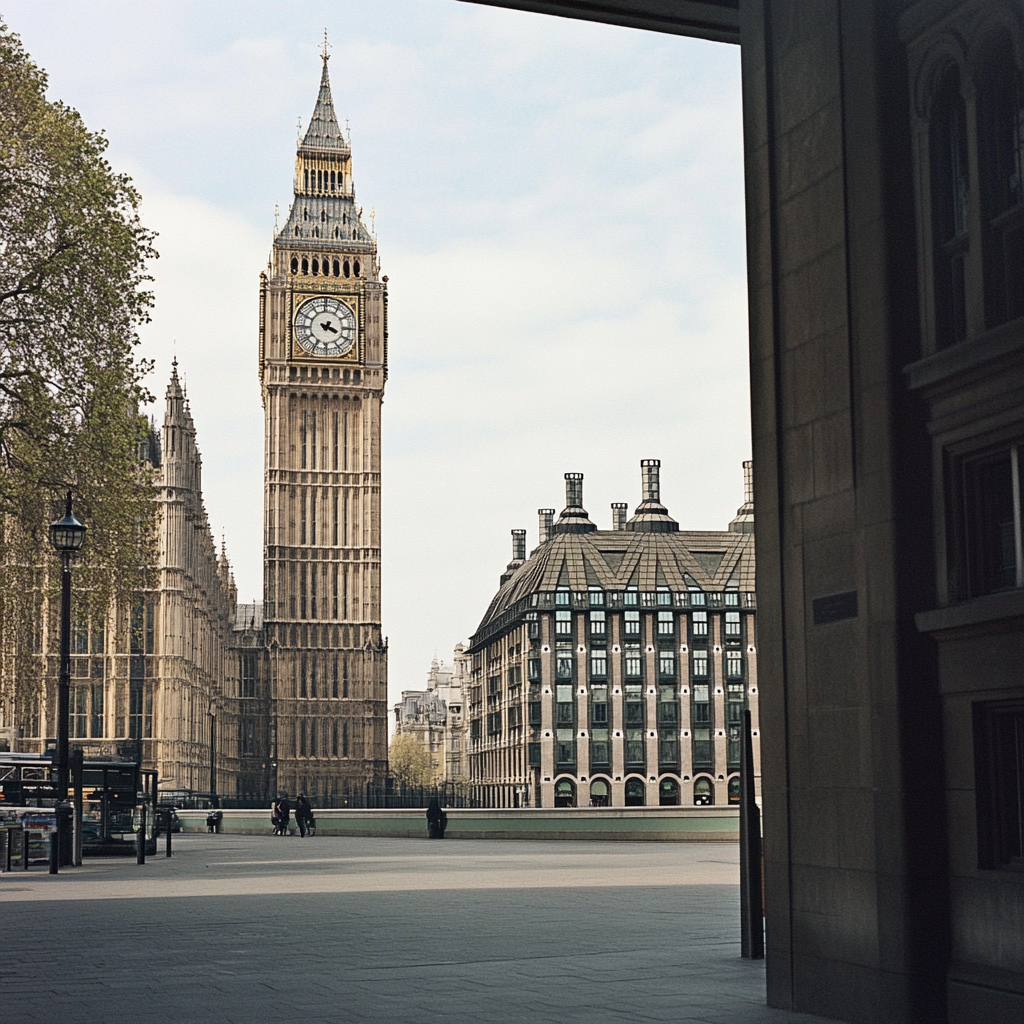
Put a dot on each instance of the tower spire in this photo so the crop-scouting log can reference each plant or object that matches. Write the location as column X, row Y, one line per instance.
column 323, row 132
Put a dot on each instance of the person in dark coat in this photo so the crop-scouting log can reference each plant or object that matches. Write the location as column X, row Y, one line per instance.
column 437, row 820
column 284, row 811
column 303, row 814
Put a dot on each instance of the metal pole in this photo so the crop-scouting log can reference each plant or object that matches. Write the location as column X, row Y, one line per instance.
column 167, row 852
column 140, row 839
column 77, row 767
column 213, row 756
column 751, row 913
column 55, row 848
column 64, row 681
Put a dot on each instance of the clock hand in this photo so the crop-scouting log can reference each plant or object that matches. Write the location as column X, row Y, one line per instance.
column 325, row 325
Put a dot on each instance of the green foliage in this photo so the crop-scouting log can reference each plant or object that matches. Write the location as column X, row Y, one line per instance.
column 410, row 762
column 73, row 257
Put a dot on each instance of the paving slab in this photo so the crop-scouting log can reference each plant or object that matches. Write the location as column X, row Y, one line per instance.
column 384, row 931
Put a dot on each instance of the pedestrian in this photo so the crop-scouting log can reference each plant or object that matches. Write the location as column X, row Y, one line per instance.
column 303, row 815
column 437, row 820
column 275, row 817
column 284, row 811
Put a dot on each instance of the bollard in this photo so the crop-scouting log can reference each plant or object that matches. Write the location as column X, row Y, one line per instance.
column 140, row 839
column 55, row 851
column 24, row 850
column 7, row 850
column 168, row 852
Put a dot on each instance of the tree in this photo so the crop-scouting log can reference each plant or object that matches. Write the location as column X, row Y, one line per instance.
column 410, row 762
column 73, row 258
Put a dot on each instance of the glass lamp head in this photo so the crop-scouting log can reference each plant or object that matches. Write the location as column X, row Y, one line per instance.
column 67, row 535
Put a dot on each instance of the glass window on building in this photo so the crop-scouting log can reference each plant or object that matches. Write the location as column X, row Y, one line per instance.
column 563, row 622
column 599, row 796
column 668, row 747
column 631, row 661
column 562, row 598
column 599, row 704
column 597, row 624
column 666, row 664
column 630, row 597
column 634, row 704
column 700, row 664
column 565, row 746
column 599, row 746
column 565, row 793
column 598, row 663
column 734, row 790
column 634, row 746
column 636, row 793
column 668, row 706
column 668, row 793
column 699, row 624
column 565, row 706
column 664, row 595
column 703, row 793
column 596, row 597
column 733, row 664
column 631, row 623
column 735, row 697
column 666, row 623
column 563, row 660
column 533, row 706
column 732, row 625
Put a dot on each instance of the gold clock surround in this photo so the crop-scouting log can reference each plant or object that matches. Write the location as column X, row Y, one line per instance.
column 354, row 302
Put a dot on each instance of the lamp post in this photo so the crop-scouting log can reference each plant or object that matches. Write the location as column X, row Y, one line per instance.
column 67, row 536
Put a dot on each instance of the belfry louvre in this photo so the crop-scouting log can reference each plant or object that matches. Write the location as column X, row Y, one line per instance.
column 612, row 667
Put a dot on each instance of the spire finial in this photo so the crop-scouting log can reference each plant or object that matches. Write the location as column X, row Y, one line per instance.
column 325, row 50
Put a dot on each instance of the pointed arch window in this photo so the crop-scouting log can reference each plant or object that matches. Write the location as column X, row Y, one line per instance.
column 950, row 200
column 1001, row 157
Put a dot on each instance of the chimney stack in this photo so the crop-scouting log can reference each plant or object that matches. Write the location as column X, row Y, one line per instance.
column 518, row 545
column 650, row 470
column 744, row 521
column 547, row 520
column 651, row 516
column 574, row 517
column 619, row 515
column 518, row 555
column 574, row 490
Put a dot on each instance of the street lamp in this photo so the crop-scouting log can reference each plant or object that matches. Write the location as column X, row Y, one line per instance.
column 67, row 536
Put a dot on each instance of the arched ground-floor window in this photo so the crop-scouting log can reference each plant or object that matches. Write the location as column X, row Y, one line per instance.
column 565, row 793
column 668, row 793
column 734, row 789
column 599, row 794
column 703, row 791
column 636, row 792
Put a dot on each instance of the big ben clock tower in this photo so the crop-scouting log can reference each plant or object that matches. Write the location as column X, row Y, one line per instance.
column 323, row 364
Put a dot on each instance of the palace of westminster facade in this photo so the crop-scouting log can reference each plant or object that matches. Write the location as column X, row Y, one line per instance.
column 290, row 694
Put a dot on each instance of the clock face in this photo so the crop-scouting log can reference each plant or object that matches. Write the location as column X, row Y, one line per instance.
column 325, row 326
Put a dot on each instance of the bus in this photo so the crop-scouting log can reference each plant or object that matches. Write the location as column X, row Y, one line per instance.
column 114, row 789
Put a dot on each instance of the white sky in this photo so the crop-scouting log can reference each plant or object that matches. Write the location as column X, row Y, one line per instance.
column 560, row 215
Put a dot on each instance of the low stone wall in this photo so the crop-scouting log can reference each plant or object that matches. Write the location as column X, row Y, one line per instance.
column 632, row 824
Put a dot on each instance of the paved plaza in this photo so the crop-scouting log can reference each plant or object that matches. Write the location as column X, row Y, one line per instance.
column 254, row 928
